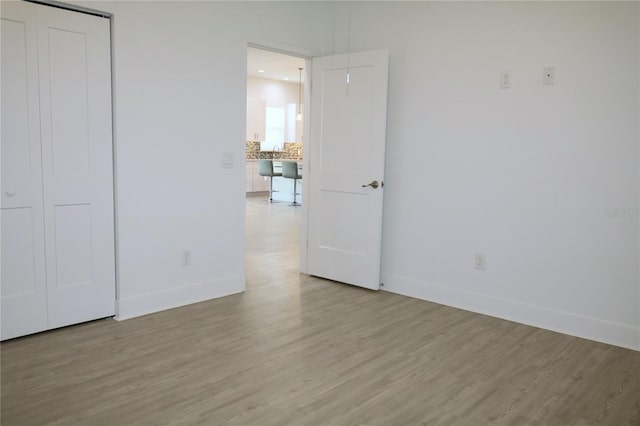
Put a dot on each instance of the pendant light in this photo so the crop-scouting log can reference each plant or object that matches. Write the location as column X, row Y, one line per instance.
column 299, row 116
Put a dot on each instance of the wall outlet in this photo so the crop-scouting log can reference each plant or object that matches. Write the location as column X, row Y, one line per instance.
column 549, row 75
column 480, row 262
column 186, row 258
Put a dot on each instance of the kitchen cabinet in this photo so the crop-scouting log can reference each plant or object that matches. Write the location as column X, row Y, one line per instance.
column 253, row 181
column 248, row 179
column 260, row 183
column 256, row 119
column 282, row 187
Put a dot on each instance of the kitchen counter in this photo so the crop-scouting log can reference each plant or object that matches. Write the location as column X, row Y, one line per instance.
column 276, row 160
column 282, row 187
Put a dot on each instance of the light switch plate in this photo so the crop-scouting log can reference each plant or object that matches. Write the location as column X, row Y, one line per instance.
column 227, row 160
column 505, row 79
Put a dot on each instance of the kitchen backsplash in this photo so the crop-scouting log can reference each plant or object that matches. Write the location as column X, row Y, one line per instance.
column 291, row 151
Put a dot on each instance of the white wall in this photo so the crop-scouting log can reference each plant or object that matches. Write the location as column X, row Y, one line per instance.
column 180, row 99
column 277, row 94
column 523, row 176
column 528, row 176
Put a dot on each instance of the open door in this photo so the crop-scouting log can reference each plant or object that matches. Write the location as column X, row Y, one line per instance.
column 346, row 166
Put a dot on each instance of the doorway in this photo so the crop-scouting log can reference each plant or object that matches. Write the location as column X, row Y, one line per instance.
column 274, row 132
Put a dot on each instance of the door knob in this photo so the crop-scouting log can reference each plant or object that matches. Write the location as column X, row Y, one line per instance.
column 11, row 192
column 373, row 184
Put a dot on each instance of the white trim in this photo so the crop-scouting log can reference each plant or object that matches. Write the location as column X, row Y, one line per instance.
column 569, row 323
column 306, row 129
column 175, row 297
column 276, row 46
column 114, row 159
column 72, row 8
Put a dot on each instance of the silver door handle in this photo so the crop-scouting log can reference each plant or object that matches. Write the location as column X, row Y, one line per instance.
column 11, row 192
column 373, row 184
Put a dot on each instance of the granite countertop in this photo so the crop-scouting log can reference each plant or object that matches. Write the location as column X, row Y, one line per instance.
column 267, row 155
column 276, row 160
column 290, row 151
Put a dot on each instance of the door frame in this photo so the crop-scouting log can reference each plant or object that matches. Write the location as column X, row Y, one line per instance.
column 307, row 55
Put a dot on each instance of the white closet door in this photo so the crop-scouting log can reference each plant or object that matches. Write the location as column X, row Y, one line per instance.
column 75, row 106
column 23, row 285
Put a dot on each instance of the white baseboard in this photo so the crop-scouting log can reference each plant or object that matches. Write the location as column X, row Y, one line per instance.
column 179, row 296
column 550, row 319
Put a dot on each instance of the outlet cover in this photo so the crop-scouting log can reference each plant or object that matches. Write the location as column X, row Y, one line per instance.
column 186, row 258
column 549, row 75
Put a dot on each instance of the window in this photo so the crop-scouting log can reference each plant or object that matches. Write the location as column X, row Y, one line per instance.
column 291, row 123
column 275, row 128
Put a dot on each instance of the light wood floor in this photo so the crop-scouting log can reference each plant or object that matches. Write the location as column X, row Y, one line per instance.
column 295, row 350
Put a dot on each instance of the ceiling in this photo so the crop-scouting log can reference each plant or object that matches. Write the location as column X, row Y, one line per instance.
column 276, row 66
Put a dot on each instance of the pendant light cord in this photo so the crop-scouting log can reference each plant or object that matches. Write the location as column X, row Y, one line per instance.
column 348, row 47
column 299, row 117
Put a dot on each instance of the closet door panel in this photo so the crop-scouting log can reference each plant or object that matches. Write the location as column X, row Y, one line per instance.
column 68, row 103
column 23, row 286
column 75, row 101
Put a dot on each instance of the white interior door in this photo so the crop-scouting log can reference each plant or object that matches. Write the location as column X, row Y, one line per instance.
column 23, row 285
column 57, row 251
column 347, row 143
column 75, row 105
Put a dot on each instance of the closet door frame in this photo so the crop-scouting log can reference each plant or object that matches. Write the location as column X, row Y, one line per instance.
column 67, row 198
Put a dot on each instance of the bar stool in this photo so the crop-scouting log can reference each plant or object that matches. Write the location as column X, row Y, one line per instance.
column 290, row 171
column 265, row 168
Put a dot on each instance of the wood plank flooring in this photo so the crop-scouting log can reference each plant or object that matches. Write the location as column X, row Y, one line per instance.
column 296, row 350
